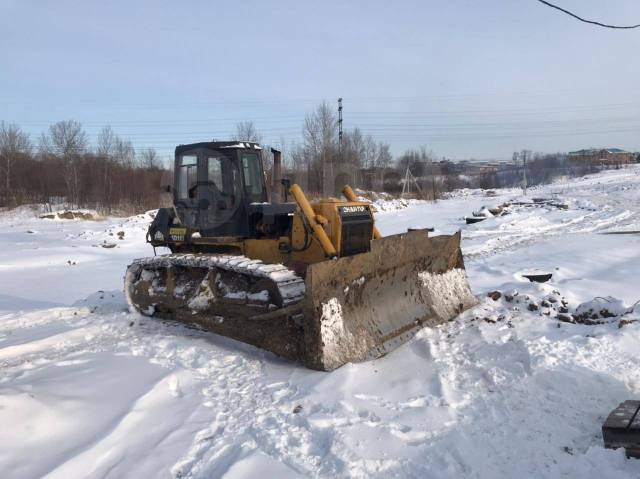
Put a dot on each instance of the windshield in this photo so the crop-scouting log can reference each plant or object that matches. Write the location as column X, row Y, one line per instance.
column 221, row 189
column 253, row 182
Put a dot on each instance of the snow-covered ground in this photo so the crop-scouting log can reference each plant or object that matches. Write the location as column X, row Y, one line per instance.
column 89, row 390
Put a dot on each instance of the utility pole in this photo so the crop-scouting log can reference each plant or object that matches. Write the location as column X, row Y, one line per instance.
column 406, row 187
column 433, row 181
column 340, row 130
column 524, row 172
column 340, row 167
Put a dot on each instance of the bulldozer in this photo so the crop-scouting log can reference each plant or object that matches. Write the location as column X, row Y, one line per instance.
column 310, row 281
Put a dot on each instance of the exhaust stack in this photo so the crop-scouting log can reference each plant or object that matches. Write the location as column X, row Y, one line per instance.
column 276, row 184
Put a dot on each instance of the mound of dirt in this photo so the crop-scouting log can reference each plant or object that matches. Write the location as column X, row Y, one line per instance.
column 71, row 215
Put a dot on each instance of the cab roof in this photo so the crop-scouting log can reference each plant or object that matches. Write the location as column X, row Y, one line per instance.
column 215, row 145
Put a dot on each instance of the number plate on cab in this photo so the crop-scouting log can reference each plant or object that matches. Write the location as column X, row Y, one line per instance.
column 177, row 234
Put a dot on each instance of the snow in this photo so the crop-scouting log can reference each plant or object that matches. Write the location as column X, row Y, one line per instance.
column 204, row 296
column 395, row 204
column 236, row 145
column 385, row 201
column 88, row 389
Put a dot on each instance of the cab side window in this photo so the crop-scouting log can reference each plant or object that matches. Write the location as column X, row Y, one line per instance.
column 252, row 177
column 187, row 177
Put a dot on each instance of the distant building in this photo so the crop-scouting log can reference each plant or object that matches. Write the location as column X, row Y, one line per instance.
column 607, row 156
column 483, row 167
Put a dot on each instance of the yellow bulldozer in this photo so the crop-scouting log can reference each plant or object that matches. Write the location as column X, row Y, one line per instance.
column 313, row 282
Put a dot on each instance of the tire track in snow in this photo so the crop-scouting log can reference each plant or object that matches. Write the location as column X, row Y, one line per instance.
column 500, row 239
column 612, row 198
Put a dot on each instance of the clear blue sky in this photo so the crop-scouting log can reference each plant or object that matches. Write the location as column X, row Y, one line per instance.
column 464, row 78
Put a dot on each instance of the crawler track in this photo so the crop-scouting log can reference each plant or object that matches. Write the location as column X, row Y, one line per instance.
column 289, row 285
column 238, row 297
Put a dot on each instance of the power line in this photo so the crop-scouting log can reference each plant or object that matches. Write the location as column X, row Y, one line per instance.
column 297, row 101
column 361, row 116
column 627, row 27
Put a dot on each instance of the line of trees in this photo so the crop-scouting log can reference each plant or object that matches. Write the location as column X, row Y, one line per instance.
column 61, row 168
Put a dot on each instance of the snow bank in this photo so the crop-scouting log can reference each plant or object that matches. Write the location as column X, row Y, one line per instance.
column 483, row 212
column 384, row 202
column 396, row 204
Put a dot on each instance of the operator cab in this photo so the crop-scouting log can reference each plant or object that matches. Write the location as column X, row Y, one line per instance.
column 220, row 188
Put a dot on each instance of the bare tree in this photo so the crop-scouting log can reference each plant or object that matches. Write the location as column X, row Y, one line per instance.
column 44, row 146
column 411, row 160
column 14, row 143
column 319, row 134
column 298, row 163
column 247, row 131
column 67, row 138
column 125, row 154
column 107, row 140
column 370, row 152
column 354, row 147
column 384, row 157
column 149, row 159
column 105, row 151
column 68, row 141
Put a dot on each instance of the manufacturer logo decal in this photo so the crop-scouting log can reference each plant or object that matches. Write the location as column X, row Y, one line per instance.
column 354, row 209
column 158, row 236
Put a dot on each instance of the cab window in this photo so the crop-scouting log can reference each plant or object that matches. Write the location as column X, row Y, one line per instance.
column 252, row 177
column 187, row 177
column 215, row 171
column 222, row 177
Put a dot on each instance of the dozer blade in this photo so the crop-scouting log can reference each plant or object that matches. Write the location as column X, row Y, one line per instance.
column 362, row 307
column 347, row 310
